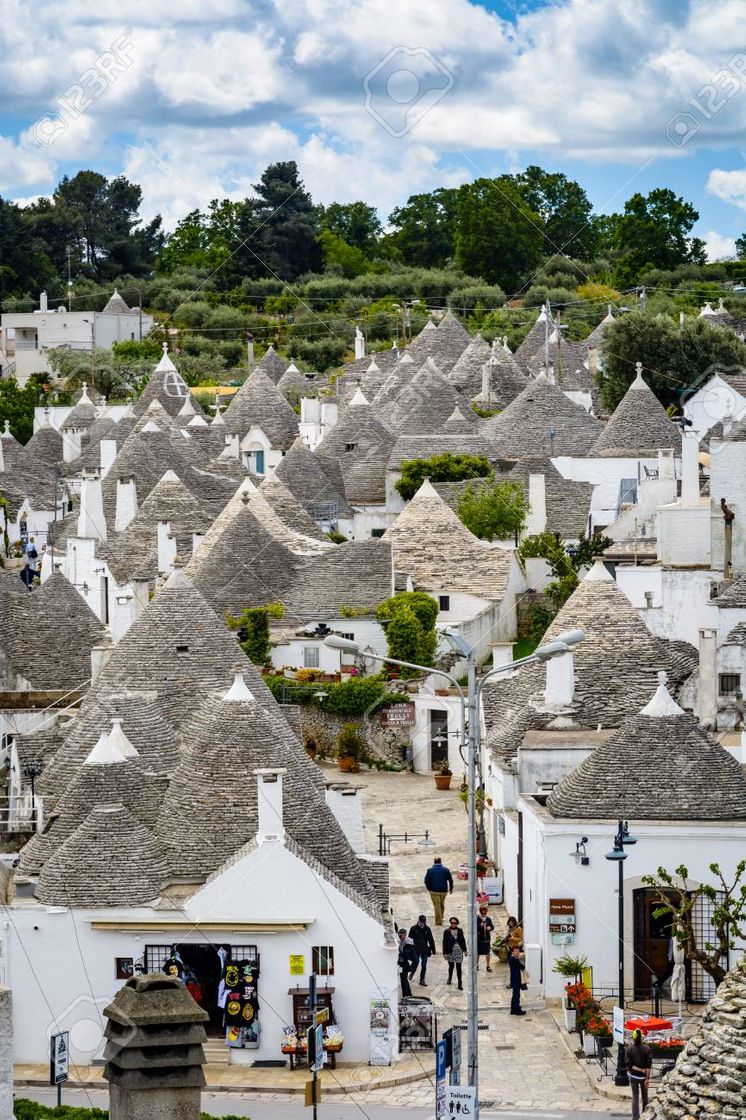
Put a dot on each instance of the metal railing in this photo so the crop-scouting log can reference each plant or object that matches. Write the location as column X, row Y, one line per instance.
column 17, row 814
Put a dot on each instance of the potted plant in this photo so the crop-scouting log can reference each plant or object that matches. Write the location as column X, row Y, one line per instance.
column 597, row 1034
column 666, row 1047
column 311, row 748
column 580, row 1000
column 443, row 775
column 350, row 747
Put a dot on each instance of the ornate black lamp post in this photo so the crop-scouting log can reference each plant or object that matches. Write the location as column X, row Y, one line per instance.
column 618, row 855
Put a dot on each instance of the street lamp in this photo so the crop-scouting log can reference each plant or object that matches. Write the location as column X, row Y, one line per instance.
column 618, row 855
column 470, row 707
column 32, row 770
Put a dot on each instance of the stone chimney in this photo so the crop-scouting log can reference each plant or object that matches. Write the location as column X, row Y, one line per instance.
column 197, row 539
column 126, row 503
column 359, row 344
column 43, row 305
column 708, row 698
column 560, row 681
column 231, row 449
column 154, row 1053
column 100, row 654
column 107, row 450
column 166, row 548
column 71, row 444
column 502, row 654
column 689, row 469
column 593, row 362
column 2, row 457
column 269, row 805
column 91, row 520
column 666, row 463
column 536, row 521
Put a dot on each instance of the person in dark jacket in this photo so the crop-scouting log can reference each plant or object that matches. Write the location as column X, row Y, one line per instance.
column 28, row 575
column 424, row 945
column 485, row 929
column 406, row 962
column 439, row 882
column 639, row 1064
column 517, row 972
column 454, row 950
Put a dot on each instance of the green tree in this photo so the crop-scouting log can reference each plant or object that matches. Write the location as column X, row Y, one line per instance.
column 676, row 359
column 498, row 236
column 680, row 900
column 278, row 230
column 423, row 231
column 493, row 512
column 440, row 468
column 188, row 246
column 564, row 564
column 409, row 621
column 741, row 246
column 253, row 633
column 357, row 223
column 653, row 232
column 17, row 405
column 341, row 257
column 25, row 263
column 564, row 208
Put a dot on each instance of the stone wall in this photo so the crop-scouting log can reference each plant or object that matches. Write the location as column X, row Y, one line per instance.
column 525, row 607
column 385, row 743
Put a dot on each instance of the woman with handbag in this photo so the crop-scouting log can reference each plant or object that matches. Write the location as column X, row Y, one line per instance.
column 454, row 950
column 485, row 928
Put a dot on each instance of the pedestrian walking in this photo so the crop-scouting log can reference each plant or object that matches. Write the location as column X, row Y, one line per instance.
column 485, row 929
column 406, row 962
column 454, row 950
column 30, row 551
column 639, row 1064
column 439, row 882
column 28, row 575
column 517, row 981
column 424, row 945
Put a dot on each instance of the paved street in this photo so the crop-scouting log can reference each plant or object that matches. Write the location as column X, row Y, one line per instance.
column 263, row 1109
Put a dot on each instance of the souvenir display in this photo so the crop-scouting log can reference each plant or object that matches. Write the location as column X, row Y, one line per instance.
column 240, row 983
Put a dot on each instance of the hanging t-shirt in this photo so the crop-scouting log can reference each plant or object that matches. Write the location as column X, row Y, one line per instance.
column 242, row 997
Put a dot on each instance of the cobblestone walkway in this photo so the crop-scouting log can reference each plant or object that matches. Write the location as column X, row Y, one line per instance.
column 523, row 1062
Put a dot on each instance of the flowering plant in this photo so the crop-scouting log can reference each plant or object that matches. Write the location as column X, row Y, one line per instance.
column 597, row 1024
column 581, row 998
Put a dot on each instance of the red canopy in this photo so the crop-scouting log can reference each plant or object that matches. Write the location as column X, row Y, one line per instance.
column 650, row 1023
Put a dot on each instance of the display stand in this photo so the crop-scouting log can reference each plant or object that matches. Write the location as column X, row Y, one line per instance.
column 303, row 1019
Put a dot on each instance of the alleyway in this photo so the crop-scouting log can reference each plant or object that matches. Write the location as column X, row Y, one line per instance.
column 524, row 1063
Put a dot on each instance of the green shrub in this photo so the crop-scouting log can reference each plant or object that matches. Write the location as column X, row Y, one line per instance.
column 350, row 743
column 440, row 468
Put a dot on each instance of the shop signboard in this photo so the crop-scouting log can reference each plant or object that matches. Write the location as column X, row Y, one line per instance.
column 618, row 1028
column 399, row 715
column 381, row 1030
column 562, row 920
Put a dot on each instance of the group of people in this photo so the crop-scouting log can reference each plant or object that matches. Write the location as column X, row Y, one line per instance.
column 31, row 570
column 418, row 945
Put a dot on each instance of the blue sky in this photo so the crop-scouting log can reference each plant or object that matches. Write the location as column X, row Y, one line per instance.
column 379, row 101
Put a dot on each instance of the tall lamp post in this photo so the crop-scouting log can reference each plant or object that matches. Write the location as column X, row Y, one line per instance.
column 471, row 730
column 618, row 855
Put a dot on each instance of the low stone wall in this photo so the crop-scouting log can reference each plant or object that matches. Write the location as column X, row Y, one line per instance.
column 525, row 608
column 384, row 743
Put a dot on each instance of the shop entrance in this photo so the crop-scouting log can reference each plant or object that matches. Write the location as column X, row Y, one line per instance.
column 202, row 971
column 652, row 941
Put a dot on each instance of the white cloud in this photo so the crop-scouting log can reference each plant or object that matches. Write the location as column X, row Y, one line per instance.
column 216, row 91
column 719, row 247
column 729, row 186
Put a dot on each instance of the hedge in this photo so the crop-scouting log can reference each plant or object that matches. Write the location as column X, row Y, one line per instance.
column 24, row 1109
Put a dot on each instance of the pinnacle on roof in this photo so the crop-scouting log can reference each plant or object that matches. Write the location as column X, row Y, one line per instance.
column 83, row 414
column 187, row 410
column 115, row 305
column 358, row 399
column 505, row 379
column 259, row 403
column 239, row 690
column 651, row 769
column 110, row 860
column 104, row 753
column 639, row 425
column 542, row 420
column 460, row 422
column 165, row 365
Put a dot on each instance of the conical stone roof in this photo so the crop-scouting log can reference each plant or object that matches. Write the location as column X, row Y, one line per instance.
column 133, row 553
column 523, row 428
column 259, row 403
column 433, row 546
column 425, row 403
column 107, row 775
column 652, row 768
column 466, row 374
column 450, row 342
column 596, row 337
column 272, row 364
column 709, row 1078
column 143, row 722
column 83, row 413
column 304, row 474
column 534, row 340
column 506, row 380
column 165, row 385
column 288, row 508
column 359, row 445
column 115, row 305
column 639, row 425
column 249, row 554
column 204, row 818
column 110, row 860
column 179, row 648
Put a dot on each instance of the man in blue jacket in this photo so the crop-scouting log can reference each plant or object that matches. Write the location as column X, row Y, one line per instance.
column 439, row 882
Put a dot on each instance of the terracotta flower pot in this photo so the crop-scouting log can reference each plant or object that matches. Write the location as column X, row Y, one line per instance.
column 443, row 781
column 346, row 764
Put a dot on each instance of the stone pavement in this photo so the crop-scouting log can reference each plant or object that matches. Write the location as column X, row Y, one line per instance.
column 524, row 1063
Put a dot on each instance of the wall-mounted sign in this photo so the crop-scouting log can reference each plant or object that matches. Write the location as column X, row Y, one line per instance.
column 297, row 964
column 399, row 715
column 562, row 915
